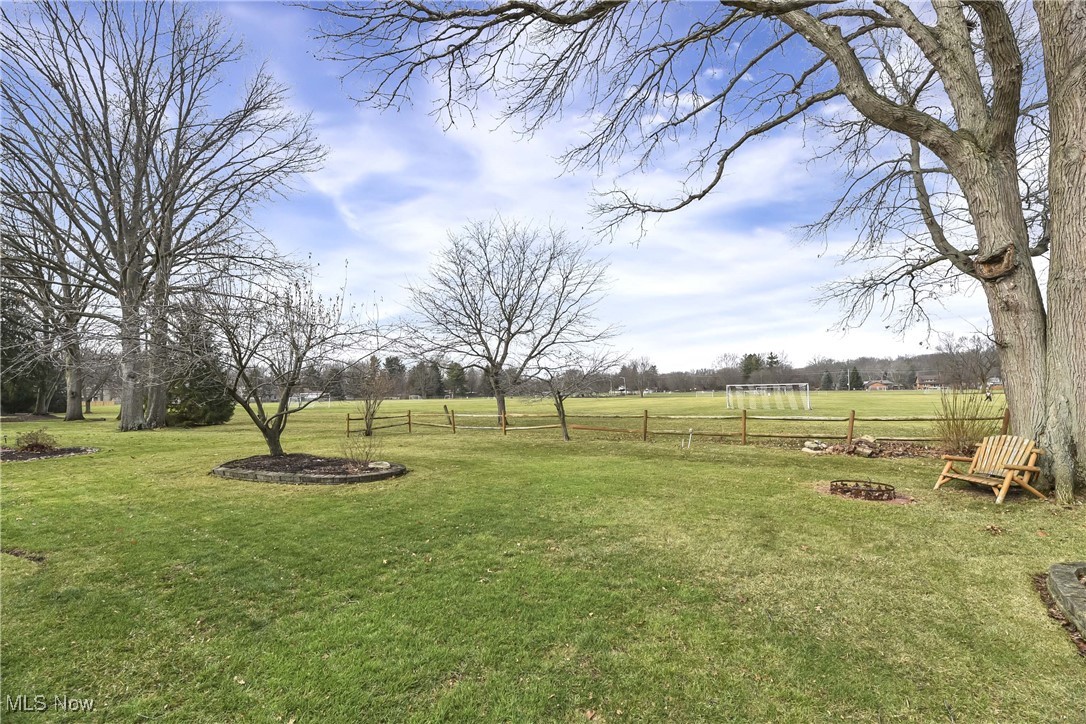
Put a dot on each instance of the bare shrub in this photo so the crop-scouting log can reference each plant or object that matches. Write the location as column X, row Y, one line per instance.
column 957, row 426
column 361, row 450
column 36, row 441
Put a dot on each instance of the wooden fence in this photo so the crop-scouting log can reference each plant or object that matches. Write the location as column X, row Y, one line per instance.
column 450, row 420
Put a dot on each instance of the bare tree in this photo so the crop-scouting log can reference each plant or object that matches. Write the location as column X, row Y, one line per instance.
column 962, row 106
column 968, row 361
column 572, row 371
column 271, row 332
column 504, row 295
column 115, row 149
column 372, row 384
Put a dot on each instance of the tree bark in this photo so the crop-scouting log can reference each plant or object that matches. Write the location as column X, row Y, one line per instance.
column 44, row 395
column 272, row 436
column 1010, row 285
column 1063, row 37
column 560, row 406
column 132, row 384
column 73, row 379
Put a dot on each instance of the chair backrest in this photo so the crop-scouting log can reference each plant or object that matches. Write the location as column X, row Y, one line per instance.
column 997, row 451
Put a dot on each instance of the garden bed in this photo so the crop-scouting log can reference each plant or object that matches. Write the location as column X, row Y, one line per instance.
column 305, row 469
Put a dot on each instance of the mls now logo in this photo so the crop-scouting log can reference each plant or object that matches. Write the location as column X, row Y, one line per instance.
column 39, row 702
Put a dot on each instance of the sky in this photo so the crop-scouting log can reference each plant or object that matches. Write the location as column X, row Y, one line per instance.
column 725, row 275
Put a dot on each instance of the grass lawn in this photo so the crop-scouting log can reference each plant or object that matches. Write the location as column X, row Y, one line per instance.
column 522, row 579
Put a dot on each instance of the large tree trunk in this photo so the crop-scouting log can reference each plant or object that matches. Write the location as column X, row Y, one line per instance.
column 1010, row 284
column 499, row 394
column 132, row 384
column 1063, row 37
column 73, row 378
column 47, row 387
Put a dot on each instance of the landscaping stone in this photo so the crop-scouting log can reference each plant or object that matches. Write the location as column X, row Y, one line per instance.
column 1065, row 583
column 377, row 472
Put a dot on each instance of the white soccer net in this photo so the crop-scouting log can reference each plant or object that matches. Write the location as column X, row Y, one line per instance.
column 779, row 396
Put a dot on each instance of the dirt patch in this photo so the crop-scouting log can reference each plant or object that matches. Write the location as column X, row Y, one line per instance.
column 23, row 456
column 1040, row 584
column 27, row 555
column 899, row 499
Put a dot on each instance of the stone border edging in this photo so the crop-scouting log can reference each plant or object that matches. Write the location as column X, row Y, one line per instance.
column 261, row 476
column 1069, row 592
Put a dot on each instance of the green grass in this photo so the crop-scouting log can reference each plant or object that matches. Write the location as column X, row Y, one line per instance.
column 522, row 579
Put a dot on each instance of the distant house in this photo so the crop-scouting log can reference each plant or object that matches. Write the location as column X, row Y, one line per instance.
column 881, row 385
column 928, row 382
column 995, row 384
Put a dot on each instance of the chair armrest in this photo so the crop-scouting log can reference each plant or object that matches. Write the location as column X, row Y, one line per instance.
column 1027, row 468
column 958, row 458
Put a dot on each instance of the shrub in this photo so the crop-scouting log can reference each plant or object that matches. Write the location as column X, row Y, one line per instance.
column 36, row 441
column 361, row 450
column 957, row 427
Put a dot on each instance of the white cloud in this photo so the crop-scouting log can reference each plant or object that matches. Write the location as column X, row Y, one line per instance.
column 722, row 275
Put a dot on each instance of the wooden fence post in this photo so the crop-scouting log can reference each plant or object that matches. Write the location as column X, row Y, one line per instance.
column 851, row 426
column 645, row 427
column 1006, row 429
column 409, row 422
column 348, row 424
column 452, row 419
column 503, row 424
column 743, row 427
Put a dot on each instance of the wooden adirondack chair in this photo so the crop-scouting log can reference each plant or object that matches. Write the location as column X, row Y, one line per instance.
column 1000, row 462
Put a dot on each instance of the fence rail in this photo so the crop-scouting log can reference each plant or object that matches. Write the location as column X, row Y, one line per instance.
column 448, row 421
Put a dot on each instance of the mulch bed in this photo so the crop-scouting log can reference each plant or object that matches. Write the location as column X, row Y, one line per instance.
column 1040, row 584
column 22, row 456
column 298, row 463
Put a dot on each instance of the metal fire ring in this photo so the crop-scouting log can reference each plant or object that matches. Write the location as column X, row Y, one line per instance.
column 863, row 489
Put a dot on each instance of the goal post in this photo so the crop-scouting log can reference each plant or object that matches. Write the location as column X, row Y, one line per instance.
column 774, row 396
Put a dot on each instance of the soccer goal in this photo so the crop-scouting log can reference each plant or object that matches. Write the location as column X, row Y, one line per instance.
column 779, row 396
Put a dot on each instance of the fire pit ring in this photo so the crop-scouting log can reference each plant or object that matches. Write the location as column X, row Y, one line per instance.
column 862, row 489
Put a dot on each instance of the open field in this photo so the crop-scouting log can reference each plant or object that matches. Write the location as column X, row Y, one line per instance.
column 518, row 578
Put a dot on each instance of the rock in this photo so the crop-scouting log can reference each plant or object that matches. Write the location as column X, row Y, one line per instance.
column 864, row 451
column 810, row 451
column 379, row 465
column 866, row 440
column 815, row 445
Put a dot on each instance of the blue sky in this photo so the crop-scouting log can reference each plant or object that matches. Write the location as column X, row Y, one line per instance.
column 723, row 276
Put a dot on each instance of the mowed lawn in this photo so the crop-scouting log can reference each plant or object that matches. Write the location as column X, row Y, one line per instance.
column 519, row 578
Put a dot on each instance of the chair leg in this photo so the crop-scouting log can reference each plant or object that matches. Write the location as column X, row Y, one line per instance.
column 943, row 479
column 1002, row 492
column 1031, row 489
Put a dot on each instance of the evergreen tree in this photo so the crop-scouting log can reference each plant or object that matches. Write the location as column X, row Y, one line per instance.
column 842, row 380
column 456, row 380
column 199, row 397
column 855, row 382
column 751, row 363
column 827, row 381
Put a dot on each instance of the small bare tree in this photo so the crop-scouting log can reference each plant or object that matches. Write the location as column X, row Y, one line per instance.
column 573, row 371
column 270, row 333
column 503, row 296
column 372, row 383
